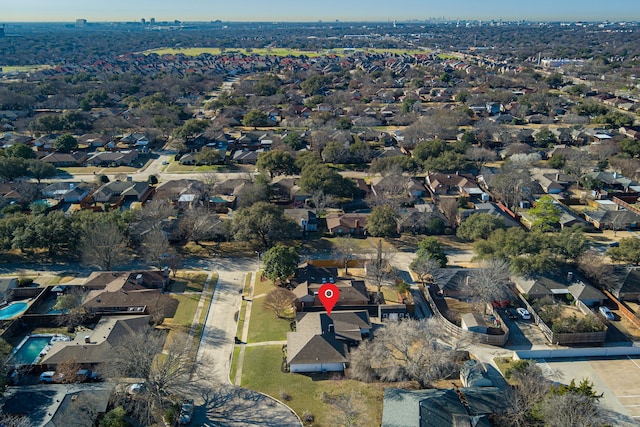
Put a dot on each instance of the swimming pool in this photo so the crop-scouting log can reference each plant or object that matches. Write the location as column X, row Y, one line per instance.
column 12, row 310
column 29, row 351
column 33, row 346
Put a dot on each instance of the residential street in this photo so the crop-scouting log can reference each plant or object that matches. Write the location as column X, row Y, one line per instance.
column 223, row 404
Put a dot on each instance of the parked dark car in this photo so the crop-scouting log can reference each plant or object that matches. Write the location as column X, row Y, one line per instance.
column 511, row 313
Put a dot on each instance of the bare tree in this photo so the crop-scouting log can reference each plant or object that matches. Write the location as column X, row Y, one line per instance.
column 104, row 246
column 531, row 388
column 379, row 269
column 321, row 201
column 510, row 185
column 280, row 301
column 570, row 410
column 449, row 208
column 595, row 268
column 490, row 282
column 174, row 261
column 480, row 156
column 578, row 164
column 154, row 212
column 408, row 351
column 345, row 249
column 200, row 224
column 349, row 408
column 66, row 371
column 427, row 269
column 155, row 248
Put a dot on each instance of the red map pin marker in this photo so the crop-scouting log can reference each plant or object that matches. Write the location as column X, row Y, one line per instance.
column 329, row 295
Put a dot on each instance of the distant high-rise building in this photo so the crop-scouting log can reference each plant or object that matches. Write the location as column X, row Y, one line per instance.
column 81, row 23
column 144, row 21
column 2, row 31
column 153, row 21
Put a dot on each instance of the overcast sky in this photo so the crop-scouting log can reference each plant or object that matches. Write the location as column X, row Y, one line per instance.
column 326, row 10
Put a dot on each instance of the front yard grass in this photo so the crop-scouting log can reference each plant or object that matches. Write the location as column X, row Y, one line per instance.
column 190, row 282
column 261, row 372
column 187, row 305
column 265, row 326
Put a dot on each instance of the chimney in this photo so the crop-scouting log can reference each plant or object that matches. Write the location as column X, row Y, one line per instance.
column 557, row 177
column 357, row 224
column 87, row 339
column 139, row 279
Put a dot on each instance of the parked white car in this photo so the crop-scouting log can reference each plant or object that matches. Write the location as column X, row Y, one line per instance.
column 524, row 313
column 606, row 312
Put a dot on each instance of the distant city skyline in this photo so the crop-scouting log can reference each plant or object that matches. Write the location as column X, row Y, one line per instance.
column 328, row 10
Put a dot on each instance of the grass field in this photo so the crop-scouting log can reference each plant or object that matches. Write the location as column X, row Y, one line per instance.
column 261, row 371
column 195, row 51
column 23, row 68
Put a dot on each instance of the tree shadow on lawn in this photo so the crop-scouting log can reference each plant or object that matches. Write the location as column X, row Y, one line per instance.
column 229, row 405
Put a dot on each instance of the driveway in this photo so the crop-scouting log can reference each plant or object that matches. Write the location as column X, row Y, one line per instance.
column 219, row 403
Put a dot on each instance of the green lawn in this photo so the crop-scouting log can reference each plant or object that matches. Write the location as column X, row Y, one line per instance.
column 190, row 282
column 234, row 364
column 261, row 372
column 265, row 326
column 187, row 305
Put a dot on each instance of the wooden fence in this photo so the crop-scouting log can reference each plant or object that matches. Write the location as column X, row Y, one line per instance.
column 458, row 332
column 574, row 338
column 622, row 307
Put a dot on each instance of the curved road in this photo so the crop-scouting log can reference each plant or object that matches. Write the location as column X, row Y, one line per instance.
column 226, row 404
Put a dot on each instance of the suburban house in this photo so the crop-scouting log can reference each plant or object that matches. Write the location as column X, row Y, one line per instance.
column 551, row 284
column 60, row 160
column 94, row 139
column 353, row 224
column 452, row 184
column 181, row 192
column 627, row 285
column 309, row 279
column 419, row 218
column 305, row 218
column 119, row 191
column 320, row 342
column 607, row 219
column 470, row 406
column 69, row 192
column 117, row 158
column 136, row 292
column 494, row 210
column 554, row 183
column 97, row 346
column 397, row 186
column 60, row 404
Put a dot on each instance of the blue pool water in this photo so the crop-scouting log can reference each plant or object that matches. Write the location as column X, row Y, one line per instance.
column 12, row 310
column 30, row 350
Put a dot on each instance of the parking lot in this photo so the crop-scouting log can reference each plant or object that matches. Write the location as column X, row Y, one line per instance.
column 618, row 379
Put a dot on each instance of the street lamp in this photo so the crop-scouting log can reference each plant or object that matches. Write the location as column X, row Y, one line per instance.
column 259, row 259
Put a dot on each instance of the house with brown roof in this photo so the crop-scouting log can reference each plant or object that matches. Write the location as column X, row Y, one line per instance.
column 115, row 192
column 137, row 292
column 309, row 279
column 118, row 158
column 452, row 184
column 96, row 346
column 320, row 342
column 342, row 224
column 65, row 159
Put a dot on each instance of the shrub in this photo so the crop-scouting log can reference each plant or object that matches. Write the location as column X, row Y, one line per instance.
column 307, row 417
column 25, row 281
column 285, row 396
